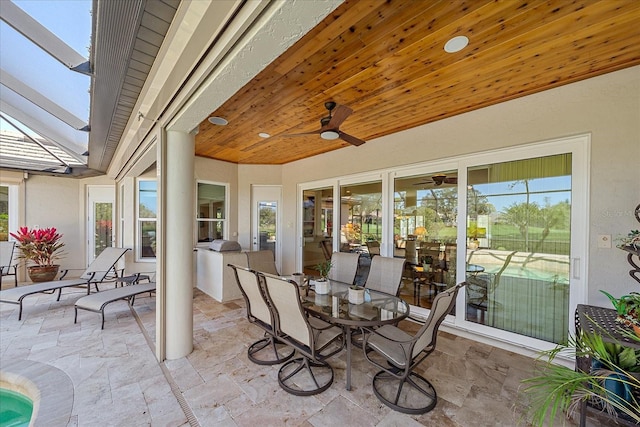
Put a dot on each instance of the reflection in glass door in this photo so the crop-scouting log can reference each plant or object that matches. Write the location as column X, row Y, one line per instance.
column 100, row 227
column 425, row 232
column 317, row 227
column 267, row 226
column 518, row 246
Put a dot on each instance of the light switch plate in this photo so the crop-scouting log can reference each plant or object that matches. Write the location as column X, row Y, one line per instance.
column 604, row 241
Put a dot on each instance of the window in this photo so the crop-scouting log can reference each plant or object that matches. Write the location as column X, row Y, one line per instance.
column 146, row 219
column 211, row 213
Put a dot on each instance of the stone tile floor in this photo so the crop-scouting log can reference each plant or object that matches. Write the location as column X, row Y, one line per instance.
column 118, row 382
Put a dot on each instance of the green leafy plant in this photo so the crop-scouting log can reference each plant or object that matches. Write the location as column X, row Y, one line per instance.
column 627, row 307
column 324, row 268
column 41, row 246
column 557, row 388
column 631, row 239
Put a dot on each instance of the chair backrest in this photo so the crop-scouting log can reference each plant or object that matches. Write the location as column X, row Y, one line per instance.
column 284, row 297
column 344, row 267
column 6, row 254
column 410, row 253
column 253, row 294
column 327, row 249
column 263, row 261
column 385, row 274
column 104, row 263
column 373, row 246
column 441, row 306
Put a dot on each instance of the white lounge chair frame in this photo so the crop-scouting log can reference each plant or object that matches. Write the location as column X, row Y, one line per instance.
column 96, row 273
column 98, row 301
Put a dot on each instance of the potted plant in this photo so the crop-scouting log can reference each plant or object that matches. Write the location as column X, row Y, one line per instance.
column 42, row 247
column 608, row 384
column 628, row 309
column 321, row 285
column 631, row 239
column 356, row 294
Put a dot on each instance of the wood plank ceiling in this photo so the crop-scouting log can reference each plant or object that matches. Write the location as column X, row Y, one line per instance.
column 385, row 60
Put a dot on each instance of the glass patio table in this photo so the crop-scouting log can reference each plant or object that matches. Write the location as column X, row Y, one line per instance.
column 377, row 309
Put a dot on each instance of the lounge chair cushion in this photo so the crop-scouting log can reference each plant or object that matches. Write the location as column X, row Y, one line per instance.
column 15, row 295
column 97, row 301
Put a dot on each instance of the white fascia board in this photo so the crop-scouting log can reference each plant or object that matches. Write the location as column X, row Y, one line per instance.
column 40, row 100
column 39, row 35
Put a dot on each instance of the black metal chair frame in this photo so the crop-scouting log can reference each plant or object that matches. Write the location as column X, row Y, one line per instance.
column 404, row 374
column 270, row 341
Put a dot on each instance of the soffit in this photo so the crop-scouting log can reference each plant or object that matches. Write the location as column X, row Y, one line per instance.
column 385, row 60
column 127, row 38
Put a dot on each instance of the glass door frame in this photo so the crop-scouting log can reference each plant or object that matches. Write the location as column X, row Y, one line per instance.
column 579, row 146
column 99, row 194
column 388, row 219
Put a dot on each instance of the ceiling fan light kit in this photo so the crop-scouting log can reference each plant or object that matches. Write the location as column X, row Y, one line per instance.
column 329, row 135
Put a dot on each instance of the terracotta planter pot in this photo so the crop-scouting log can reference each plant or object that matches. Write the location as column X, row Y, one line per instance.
column 43, row 273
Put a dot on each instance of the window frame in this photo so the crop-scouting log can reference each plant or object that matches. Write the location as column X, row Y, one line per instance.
column 139, row 220
column 199, row 221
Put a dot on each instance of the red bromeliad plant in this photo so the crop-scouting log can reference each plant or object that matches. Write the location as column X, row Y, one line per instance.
column 41, row 246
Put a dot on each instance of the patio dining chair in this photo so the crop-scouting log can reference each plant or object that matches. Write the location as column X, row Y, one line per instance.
column 268, row 350
column 313, row 339
column 7, row 265
column 385, row 275
column 344, row 266
column 397, row 384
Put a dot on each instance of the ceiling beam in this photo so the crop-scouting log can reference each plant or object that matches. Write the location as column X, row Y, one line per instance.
column 19, row 20
column 36, row 98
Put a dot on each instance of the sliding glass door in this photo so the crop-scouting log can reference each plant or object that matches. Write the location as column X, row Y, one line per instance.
column 317, row 227
column 518, row 246
column 511, row 223
column 425, row 233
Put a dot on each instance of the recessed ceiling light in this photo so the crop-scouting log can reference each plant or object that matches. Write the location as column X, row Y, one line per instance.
column 456, row 44
column 218, row 121
column 264, row 135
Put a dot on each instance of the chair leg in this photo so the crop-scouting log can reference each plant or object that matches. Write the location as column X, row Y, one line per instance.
column 319, row 379
column 411, row 395
column 281, row 352
column 75, row 317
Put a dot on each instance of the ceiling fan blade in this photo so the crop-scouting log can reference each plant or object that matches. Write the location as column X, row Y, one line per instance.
column 351, row 139
column 339, row 115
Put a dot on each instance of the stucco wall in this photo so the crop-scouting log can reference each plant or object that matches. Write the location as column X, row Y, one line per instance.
column 608, row 107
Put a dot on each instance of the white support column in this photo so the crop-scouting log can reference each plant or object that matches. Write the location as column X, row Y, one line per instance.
column 176, row 256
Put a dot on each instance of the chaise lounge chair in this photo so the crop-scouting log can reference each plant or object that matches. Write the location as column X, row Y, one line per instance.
column 96, row 273
column 98, row 301
column 7, row 265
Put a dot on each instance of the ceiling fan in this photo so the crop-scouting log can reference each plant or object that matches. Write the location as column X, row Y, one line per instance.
column 439, row 179
column 330, row 125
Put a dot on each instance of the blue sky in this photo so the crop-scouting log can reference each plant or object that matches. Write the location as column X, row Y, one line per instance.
column 70, row 20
